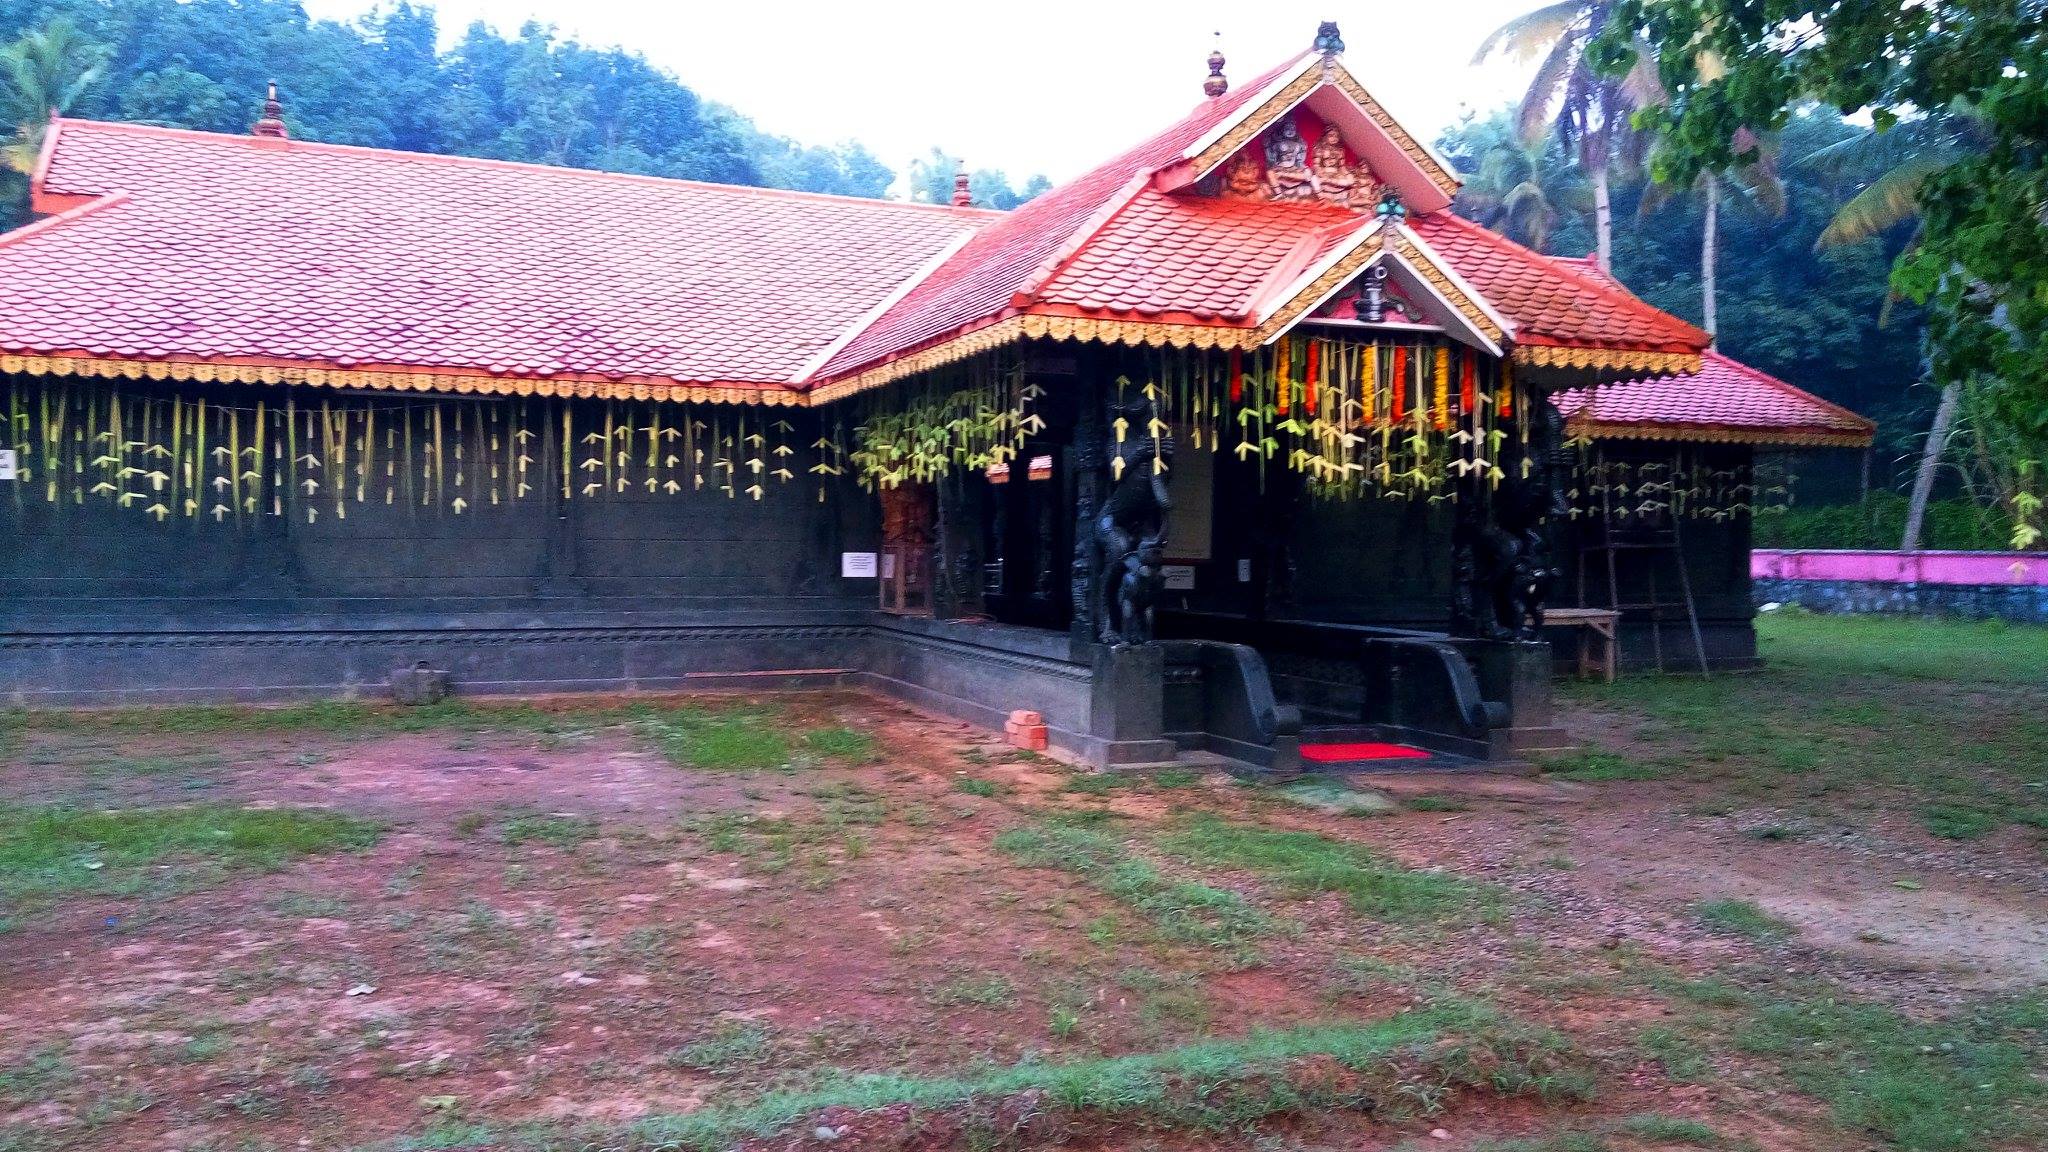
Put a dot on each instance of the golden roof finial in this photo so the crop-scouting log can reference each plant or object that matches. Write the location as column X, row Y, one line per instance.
column 272, row 122
column 1216, row 85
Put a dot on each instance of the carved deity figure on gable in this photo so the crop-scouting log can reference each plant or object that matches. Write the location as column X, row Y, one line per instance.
column 1242, row 179
column 1337, row 180
column 1287, row 170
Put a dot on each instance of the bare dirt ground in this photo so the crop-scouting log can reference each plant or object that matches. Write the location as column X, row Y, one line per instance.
column 586, row 930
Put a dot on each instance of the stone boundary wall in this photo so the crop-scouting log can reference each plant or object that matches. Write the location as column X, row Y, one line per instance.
column 1972, row 585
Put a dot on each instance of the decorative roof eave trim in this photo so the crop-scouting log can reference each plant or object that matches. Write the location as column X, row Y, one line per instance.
column 1320, row 283
column 1717, row 434
column 1486, row 325
column 1308, row 64
column 881, row 308
column 1426, row 158
column 1081, row 329
column 393, row 380
column 1610, row 359
column 1203, row 157
column 1458, row 285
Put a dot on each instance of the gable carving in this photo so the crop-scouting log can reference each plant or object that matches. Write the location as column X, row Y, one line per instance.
column 1298, row 159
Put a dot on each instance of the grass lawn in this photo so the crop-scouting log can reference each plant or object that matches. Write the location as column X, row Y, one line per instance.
column 800, row 920
column 1850, row 717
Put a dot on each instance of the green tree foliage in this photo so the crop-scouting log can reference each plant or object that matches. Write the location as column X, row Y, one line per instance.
column 1811, row 317
column 384, row 82
column 1980, row 263
column 931, row 182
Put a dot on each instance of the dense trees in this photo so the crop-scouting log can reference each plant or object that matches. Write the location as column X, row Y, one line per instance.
column 1979, row 261
column 383, row 82
column 1812, row 317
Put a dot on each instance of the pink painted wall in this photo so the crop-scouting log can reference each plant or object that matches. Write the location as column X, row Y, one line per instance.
column 2009, row 568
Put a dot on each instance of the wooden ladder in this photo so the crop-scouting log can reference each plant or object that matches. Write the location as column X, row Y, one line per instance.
column 1656, row 542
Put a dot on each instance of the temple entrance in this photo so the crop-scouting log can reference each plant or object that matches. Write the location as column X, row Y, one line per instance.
column 1028, row 529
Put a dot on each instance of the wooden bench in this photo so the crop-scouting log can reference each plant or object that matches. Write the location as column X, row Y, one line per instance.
column 1591, row 622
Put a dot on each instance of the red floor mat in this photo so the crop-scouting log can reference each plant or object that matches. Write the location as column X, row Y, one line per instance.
column 1341, row 753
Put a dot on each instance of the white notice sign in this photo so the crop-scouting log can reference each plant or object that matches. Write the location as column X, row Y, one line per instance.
column 6, row 463
column 1179, row 577
column 858, row 565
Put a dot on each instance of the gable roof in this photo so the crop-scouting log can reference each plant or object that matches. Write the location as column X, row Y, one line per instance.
column 373, row 267
column 192, row 255
column 1725, row 401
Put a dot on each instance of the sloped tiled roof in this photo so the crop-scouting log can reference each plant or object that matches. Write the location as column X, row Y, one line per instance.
column 215, row 256
column 1192, row 259
column 977, row 283
column 1724, row 401
column 220, row 247
column 1552, row 301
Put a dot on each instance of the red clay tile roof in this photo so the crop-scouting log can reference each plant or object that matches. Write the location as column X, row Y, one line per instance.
column 1725, row 401
column 1550, row 301
column 223, row 247
column 977, row 283
column 192, row 248
column 1193, row 259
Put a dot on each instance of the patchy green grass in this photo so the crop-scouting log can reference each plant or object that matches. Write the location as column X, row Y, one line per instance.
column 1180, row 910
column 1954, row 1085
column 846, row 744
column 36, row 1078
column 1850, row 715
column 812, row 849
column 1740, row 918
column 976, row 786
column 986, row 989
column 555, row 830
column 738, row 739
column 730, row 1046
column 1592, row 766
column 1306, row 862
column 1958, row 821
column 49, row 850
column 1406, row 1062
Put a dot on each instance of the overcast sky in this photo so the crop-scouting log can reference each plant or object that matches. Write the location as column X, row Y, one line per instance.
column 1050, row 86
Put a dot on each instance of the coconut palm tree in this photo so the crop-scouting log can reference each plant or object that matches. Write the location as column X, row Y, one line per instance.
column 43, row 74
column 1912, row 152
column 1509, row 194
column 1588, row 111
column 1754, row 183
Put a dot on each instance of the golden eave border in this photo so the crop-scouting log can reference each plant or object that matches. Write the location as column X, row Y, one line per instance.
column 1717, row 434
column 1611, row 359
column 387, row 380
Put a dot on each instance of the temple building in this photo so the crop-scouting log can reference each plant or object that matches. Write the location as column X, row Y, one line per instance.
column 1239, row 439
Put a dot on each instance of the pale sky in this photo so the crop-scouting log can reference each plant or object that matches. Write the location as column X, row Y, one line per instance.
column 1050, row 86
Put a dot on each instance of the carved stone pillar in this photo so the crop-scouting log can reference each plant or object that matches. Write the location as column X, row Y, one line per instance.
column 1088, row 467
column 956, row 553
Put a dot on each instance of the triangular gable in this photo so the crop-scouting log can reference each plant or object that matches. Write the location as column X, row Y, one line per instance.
column 1321, row 84
column 1451, row 303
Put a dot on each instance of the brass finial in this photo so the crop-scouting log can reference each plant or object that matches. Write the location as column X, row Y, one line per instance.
column 272, row 122
column 963, row 196
column 1216, row 85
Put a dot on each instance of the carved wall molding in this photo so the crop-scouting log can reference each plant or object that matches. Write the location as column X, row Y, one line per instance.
column 472, row 637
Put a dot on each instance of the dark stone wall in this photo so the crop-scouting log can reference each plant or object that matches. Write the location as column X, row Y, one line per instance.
column 2025, row 604
column 101, row 566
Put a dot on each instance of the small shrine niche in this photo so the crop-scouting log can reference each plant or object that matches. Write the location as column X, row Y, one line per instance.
column 1300, row 159
column 1374, row 298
